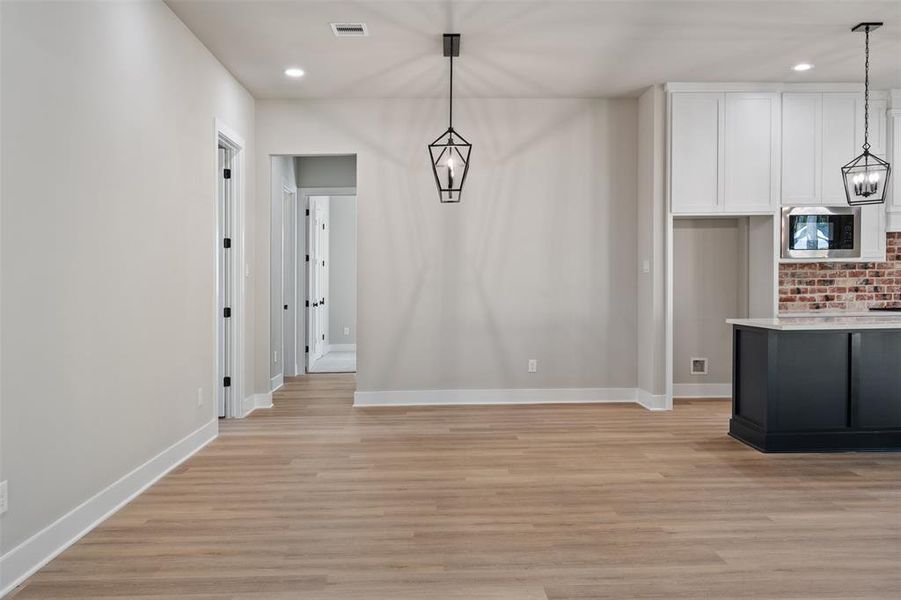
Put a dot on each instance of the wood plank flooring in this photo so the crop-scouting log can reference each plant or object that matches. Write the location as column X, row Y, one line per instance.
column 316, row 500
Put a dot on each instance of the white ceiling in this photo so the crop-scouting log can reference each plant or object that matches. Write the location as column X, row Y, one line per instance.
column 587, row 48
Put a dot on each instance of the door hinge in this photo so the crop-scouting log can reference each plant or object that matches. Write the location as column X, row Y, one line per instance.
column 227, row 243
column 227, row 312
column 308, row 212
column 322, row 302
column 286, row 307
column 227, row 173
column 323, row 337
column 226, row 382
column 306, row 349
column 323, row 263
column 308, row 304
column 308, row 258
column 323, row 227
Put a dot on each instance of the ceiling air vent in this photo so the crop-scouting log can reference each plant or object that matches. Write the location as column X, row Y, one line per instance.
column 350, row 29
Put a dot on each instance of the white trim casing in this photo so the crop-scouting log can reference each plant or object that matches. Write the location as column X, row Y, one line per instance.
column 254, row 402
column 239, row 270
column 276, row 382
column 654, row 402
column 702, row 390
column 25, row 559
column 341, row 348
column 500, row 396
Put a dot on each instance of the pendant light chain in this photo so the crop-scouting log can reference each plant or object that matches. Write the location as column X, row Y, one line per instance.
column 866, row 92
column 450, row 112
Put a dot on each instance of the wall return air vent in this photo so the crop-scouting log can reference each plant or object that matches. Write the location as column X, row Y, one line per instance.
column 350, row 29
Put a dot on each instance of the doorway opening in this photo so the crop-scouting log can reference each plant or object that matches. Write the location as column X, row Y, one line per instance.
column 722, row 269
column 228, row 380
column 313, row 267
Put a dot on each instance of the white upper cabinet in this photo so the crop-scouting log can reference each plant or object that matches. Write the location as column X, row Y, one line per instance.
column 878, row 127
column 801, row 146
column 751, row 152
column 842, row 139
column 872, row 232
column 696, row 166
column 821, row 132
column 724, row 152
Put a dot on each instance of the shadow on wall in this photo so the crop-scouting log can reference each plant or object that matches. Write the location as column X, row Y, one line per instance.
column 536, row 262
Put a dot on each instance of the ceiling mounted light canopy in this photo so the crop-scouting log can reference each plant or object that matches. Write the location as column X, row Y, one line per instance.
column 449, row 153
column 866, row 177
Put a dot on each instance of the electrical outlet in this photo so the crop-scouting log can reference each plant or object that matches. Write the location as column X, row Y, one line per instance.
column 4, row 500
column 347, row 331
column 533, row 365
column 200, row 396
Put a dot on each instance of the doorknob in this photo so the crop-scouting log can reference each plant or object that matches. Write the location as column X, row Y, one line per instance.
column 286, row 307
column 322, row 302
column 315, row 304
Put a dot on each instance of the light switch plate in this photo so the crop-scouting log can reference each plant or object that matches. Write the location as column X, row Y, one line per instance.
column 533, row 365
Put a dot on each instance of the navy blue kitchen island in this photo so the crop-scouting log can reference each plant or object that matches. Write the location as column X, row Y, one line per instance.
column 817, row 384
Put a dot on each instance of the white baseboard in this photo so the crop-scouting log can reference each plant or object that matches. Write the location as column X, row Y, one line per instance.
column 25, row 559
column 341, row 348
column 276, row 382
column 702, row 390
column 652, row 401
column 499, row 396
column 251, row 403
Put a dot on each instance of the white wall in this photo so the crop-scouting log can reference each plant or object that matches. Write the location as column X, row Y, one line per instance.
column 651, row 259
column 326, row 171
column 538, row 261
column 342, row 310
column 108, row 266
column 709, row 286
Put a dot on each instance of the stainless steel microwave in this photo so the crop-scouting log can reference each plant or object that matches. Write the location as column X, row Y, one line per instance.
column 820, row 232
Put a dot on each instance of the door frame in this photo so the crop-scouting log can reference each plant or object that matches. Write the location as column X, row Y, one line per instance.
column 224, row 135
column 304, row 194
column 289, row 226
column 311, row 302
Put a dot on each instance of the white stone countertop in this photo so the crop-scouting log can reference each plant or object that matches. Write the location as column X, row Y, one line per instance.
column 875, row 320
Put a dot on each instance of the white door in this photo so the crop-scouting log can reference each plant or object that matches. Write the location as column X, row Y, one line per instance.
column 289, row 283
column 318, row 274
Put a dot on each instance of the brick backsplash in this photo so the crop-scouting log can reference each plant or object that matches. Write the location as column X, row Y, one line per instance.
column 805, row 287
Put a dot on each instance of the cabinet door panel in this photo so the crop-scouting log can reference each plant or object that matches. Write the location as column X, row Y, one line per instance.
column 812, row 382
column 800, row 148
column 878, row 379
column 872, row 232
column 841, row 115
column 696, row 126
column 751, row 152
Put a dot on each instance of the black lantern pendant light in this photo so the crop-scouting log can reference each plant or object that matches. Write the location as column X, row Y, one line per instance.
column 450, row 152
column 866, row 177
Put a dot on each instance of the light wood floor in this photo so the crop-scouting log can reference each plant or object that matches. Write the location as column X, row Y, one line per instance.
column 316, row 500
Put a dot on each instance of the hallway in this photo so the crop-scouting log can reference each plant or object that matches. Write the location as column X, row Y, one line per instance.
column 315, row 499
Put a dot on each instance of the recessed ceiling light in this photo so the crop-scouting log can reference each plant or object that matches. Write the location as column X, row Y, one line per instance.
column 802, row 67
column 294, row 72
